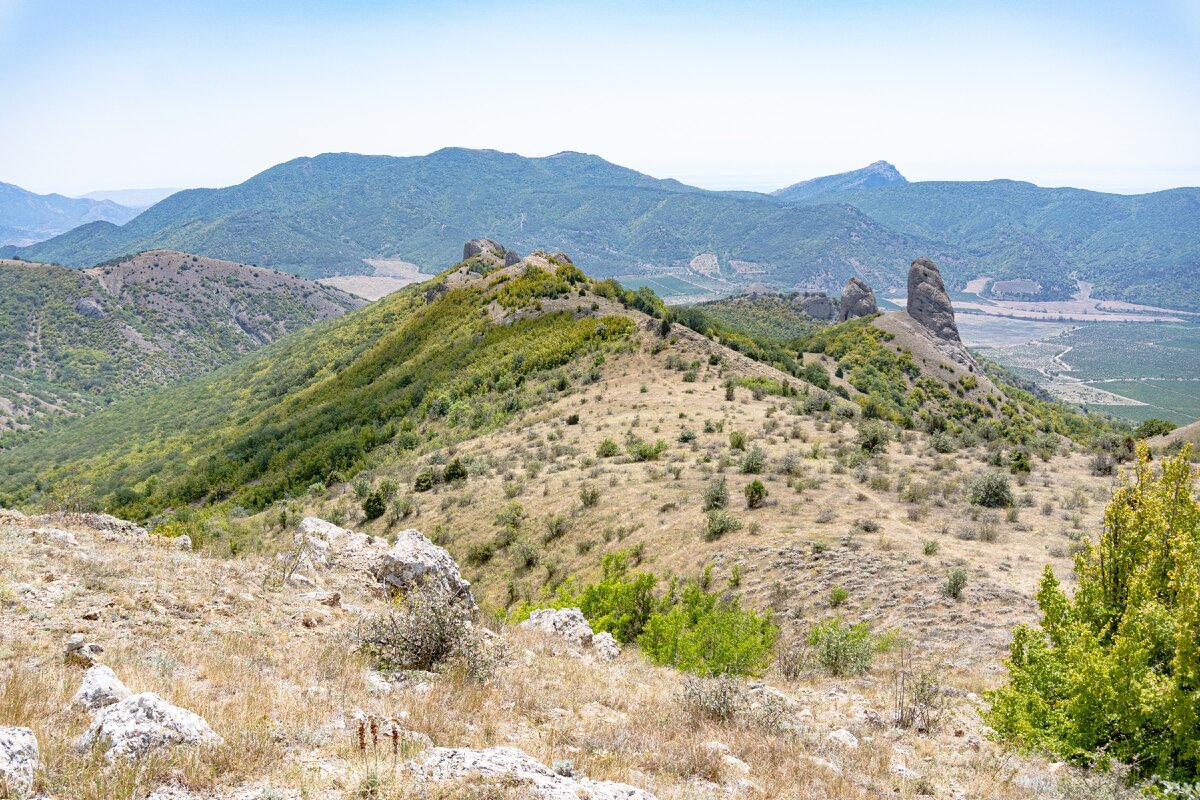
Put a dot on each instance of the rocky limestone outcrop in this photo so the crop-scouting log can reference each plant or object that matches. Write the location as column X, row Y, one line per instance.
column 412, row 562
column 143, row 723
column 928, row 302
column 569, row 625
column 89, row 308
column 857, row 301
column 415, row 562
column 817, row 306
column 101, row 687
column 477, row 247
column 511, row 764
column 561, row 257
column 18, row 759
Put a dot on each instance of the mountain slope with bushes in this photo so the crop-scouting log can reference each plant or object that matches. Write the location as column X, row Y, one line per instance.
column 72, row 341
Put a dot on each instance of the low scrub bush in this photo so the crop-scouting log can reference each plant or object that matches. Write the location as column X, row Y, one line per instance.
column 717, row 523
column 843, row 649
column 956, row 581
column 991, row 491
column 716, row 495
column 755, row 493
column 428, row 630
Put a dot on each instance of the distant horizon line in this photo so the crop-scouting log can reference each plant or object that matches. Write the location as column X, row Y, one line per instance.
column 758, row 183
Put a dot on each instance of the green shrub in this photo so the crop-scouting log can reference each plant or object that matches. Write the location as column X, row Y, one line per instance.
column 608, row 448
column 991, row 491
column 754, row 462
column 716, row 495
column 841, row 648
column 1114, row 669
column 717, row 523
column 755, row 493
column 374, row 506
column 589, row 495
column 931, row 548
column 1018, row 463
column 455, row 471
column 874, row 436
column 942, row 442
column 837, row 596
column 644, row 451
column 737, row 440
column 619, row 603
column 956, row 581
column 1154, row 427
column 424, row 480
column 708, row 635
column 687, row 435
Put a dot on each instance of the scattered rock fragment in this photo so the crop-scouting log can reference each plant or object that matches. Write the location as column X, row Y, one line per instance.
column 842, row 738
column 509, row 763
column 80, row 652
column 415, row 562
column 572, row 627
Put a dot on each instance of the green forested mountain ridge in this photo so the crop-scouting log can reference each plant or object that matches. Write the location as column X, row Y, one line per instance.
column 324, row 215
column 73, row 340
column 327, row 214
column 1141, row 248
column 439, row 360
column 459, row 356
column 26, row 217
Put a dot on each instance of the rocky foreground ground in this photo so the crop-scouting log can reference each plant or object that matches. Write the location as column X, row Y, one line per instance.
column 134, row 667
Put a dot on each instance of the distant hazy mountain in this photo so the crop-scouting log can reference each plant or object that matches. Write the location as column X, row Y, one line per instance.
column 1142, row 248
column 881, row 173
column 325, row 215
column 133, row 198
column 328, row 214
column 26, row 217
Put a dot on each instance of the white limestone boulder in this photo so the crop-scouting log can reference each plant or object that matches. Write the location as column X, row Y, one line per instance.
column 143, row 723
column 18, row 759
column 101, row 687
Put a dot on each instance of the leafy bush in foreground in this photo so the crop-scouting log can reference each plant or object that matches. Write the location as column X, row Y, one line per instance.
column 709, row 635
column 841, row 648
column 1115, row 669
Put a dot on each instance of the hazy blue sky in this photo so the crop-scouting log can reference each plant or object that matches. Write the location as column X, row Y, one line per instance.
column 110, row 94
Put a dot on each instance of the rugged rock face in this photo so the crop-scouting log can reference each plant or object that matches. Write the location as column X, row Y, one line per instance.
column 90, row 308
column 572, row 627
column 101, row 687
column 18, row 758
column 448, row 763
column 412, row 562
column 928, row 302
column 817, row 306
column 857, row 301
column 479, row 246
column 142, row 724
